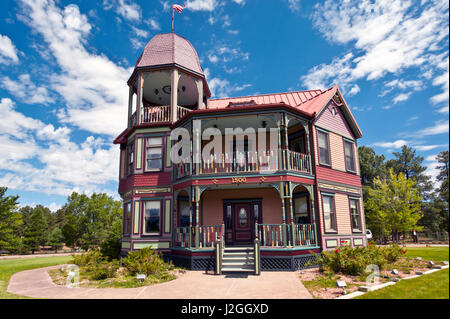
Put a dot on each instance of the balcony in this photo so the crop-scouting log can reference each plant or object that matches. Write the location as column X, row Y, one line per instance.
column 246, row 162
column 157, row 114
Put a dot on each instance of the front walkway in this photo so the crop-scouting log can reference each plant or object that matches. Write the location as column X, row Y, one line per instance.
column 192, row 285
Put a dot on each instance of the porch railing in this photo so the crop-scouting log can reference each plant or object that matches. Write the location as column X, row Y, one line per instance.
column 283, row 235
column 243, row 162
column 297, row 161
column 155, row 114
column 182, row 111
column 198, row 237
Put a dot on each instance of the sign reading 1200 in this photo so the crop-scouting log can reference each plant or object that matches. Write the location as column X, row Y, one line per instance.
column 238, row 180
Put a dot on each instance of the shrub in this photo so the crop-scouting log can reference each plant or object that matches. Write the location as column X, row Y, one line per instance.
column 111, row 247
column 353, row 261
column 103, row 270
column 145, row 261
column 91, row 257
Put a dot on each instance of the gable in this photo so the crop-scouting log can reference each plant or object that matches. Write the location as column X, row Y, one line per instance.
column 336, row 121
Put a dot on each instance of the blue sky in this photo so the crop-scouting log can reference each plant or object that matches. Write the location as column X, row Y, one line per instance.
column 64, row 66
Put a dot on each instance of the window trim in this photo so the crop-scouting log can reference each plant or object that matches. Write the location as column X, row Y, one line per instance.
column 358, row 209
column 132, row 164
column 328, row 146
column 129, row 223
column 144, row 221
column 161, row 146
column 333, row 202
column 344, row 140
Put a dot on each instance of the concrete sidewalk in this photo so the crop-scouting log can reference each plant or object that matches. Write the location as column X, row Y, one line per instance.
column 38, row 255
column 192, row 285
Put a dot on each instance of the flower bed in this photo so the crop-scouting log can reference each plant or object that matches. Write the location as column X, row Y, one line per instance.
column 97, row 271
column 351, row 265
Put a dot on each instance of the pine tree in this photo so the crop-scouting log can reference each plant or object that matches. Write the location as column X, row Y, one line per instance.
column 10, row 222
column 36, row 233
column 55, row 239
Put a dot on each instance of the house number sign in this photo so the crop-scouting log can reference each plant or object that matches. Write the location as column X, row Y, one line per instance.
column 238, row 180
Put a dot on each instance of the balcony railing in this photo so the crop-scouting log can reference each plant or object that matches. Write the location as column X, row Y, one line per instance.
column 283, row 235
column 198, row 237
column 244, row 162
column 157, row 114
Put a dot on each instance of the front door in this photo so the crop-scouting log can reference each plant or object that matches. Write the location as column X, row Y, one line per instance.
column 243, row 221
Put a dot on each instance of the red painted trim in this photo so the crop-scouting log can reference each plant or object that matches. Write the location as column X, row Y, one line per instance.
column 332, row 175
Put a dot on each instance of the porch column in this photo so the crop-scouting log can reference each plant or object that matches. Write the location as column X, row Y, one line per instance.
column 191, row 211
column 308, row 147
column 130, row 105
column 283, row 212
column 286, row 144
column 280, row 154
column 200, row 94
column 140, row 97
column 197, row 216
column 174, row 95
column 174, row 218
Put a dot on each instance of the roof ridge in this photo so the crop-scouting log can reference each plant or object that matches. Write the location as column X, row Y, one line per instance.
column 265, row 94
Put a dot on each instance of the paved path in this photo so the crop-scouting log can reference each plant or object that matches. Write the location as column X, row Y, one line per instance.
column 192, row 285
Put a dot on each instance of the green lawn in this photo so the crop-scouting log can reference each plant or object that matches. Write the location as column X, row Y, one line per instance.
column 10, row 266
column 432, row 286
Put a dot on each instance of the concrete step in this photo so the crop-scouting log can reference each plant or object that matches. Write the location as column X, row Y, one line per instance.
column 239, row 254
column 238, row 248
column 227, row 263
column 238, row 257
column 235, row 268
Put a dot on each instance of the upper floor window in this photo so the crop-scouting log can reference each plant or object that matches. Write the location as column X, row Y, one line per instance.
column 152, row 218
column 130, row 158
column 154, row 153
column 324, row 150
column 329, row 213
column 355, row 215
column 349, row 156
column 127, row 219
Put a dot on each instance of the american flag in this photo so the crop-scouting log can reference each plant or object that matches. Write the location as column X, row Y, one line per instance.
column 178, row 8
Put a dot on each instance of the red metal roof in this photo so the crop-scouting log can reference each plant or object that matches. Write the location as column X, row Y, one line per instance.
column 170, row 48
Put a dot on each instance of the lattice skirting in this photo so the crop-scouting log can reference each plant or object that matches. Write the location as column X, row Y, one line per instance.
column 283, row 263
column 194, row 262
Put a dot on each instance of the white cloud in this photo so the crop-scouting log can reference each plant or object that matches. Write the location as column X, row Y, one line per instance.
column 401, row 97
column 202, row 5
column 442, row 80
column 127, row 9
column 354, row 90
column 139, row 32
column 26, row 90
column 395, row 144
column 294, row 5
column 8, row 51
column 37, row 157
column 428, row 147
column 439, row 127
column 241, row 2
column 93, row 86
column 221, row 87
column 153, row 23
column 388, row 36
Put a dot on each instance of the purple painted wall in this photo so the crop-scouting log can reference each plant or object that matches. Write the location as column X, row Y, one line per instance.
column 336, row 123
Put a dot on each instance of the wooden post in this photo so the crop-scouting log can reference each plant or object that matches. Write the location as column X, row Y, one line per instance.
column 257, row 257
column 174, row 95
column 130, row 106
column 197, row 215
column 200, row 94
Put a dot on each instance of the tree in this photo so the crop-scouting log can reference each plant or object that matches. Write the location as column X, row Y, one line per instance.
column 371, row 164
column 36, row 233
column 10, row 222
column 410, row 165
column 442, row 177
column 55, row 239
column 394, row 205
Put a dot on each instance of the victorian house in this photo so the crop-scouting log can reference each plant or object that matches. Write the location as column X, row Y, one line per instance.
column 250, row 207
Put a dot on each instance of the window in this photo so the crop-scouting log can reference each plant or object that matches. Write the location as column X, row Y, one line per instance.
column 152, row 223
column 355, row 215
column 349, row 156
column 127, row 219
column 185, row 212
column 329, row 214
column 130, row 158
column 301, row 210
column 324, row 152
column 154, row 153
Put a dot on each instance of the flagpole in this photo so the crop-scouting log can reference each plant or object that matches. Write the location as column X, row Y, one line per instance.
column 173, row 10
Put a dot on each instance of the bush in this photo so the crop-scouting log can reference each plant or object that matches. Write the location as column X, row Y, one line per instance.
column 88, row 259
column 353, row 261
column 146, row 261
column 103, row 270
column 111, row 247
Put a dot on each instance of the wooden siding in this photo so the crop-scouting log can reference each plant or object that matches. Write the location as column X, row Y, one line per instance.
column 336, row 123
column 342, row 214
column 332, row 175
column 212, row 204
column 337, row 152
